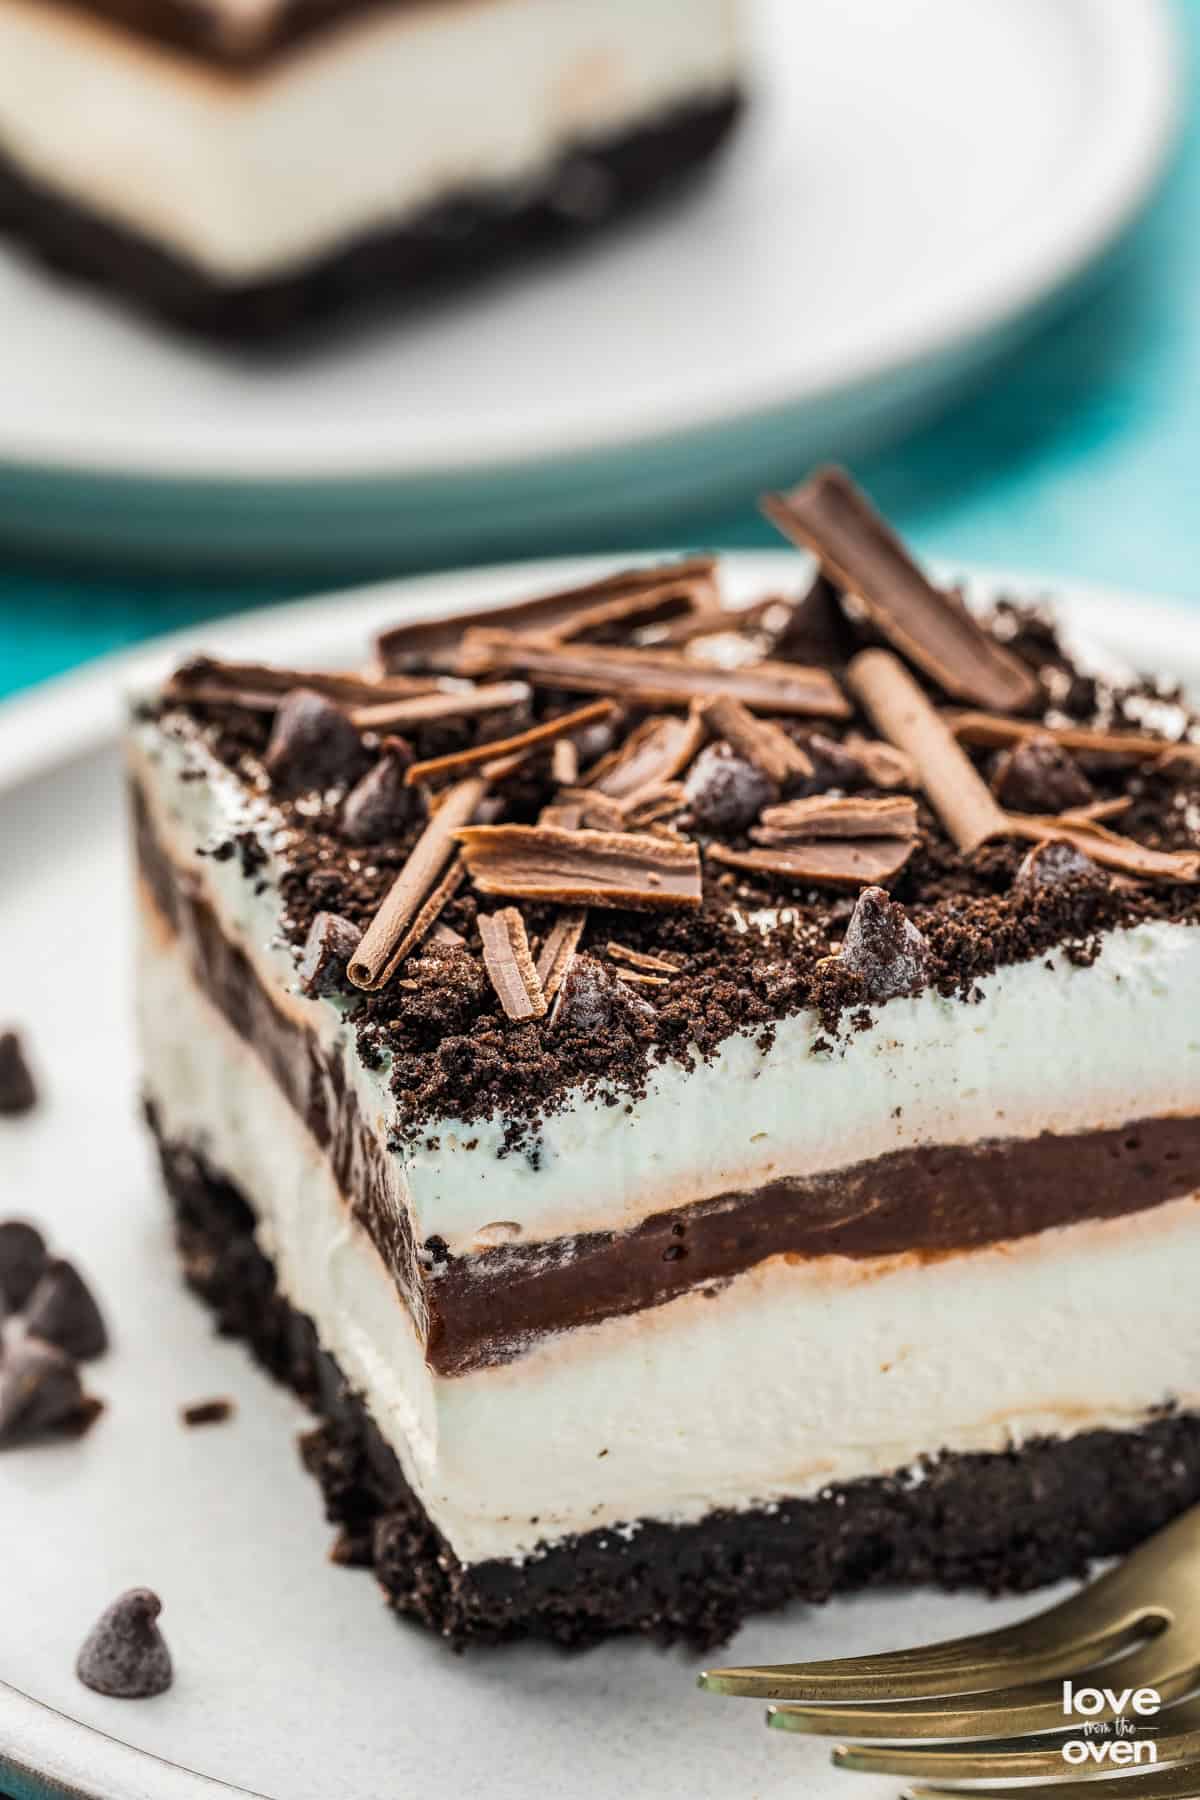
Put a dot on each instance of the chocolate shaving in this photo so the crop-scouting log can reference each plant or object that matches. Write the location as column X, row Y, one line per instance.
column 558, row 952
column 835, row 862
column 1098, row 811
column 636, row 978
column 564, row 762
column 882, row 765
column 596, row 811
column 659, row 677
column 657, row 751
column 1108, row 848
column 564, row 815
column 384, row 940
column 833, row 518
column 427, row 917
column 642, row 959
column 758, row 741
column 631, row 598
column 429, row 709
column 988, row 731
column 510, row 966
column 583, row 868
column 823, row 817
column 904, row 715
column 205, row 678
column 660, row 800
column 435, row 768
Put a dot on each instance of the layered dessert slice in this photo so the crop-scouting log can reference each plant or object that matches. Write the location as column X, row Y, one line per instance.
column 703, row 1103
column 243, row 166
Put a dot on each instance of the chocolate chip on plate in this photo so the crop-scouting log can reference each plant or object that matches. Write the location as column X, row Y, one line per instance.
column 40, row 1392
column 22, row 1259
column 884, row 946
column 62, row 1311
column 330, row 944
column 18, row 1094
column 380, row 805
column 1039, row 776
column 124, row 1654
column 313, row 745
column 726, row 792
column 207, row 1412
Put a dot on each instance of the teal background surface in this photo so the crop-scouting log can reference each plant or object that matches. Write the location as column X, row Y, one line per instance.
column 1080, row 459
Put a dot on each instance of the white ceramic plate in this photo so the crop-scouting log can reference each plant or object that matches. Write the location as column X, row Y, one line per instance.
column 913, row 186
column 292, row 1679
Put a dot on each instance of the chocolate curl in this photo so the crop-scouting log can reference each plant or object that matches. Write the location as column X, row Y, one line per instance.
column 904, row 716
column 376, row 958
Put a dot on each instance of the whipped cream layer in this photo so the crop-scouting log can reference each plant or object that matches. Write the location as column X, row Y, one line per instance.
column 377, row 119
column 1048, row 1046
column 795, row 1377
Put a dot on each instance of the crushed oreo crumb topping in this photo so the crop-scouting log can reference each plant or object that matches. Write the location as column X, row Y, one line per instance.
column 755, row 937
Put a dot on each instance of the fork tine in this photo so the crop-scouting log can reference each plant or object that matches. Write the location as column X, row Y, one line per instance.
column 1181, row 1782
column 1060, row 1640
column 1178, row 1739
column 998, row 1712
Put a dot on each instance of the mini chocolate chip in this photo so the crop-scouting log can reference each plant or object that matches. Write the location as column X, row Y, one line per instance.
column 591, row 998
column 330, row 944
column 724, row 791
column 586, row 999
column 1050, row 864
column 40, row 1392
column 22, row 1259
column 312, row 745
column 1039, row 776
column 62, row 1312
column 380, row 805
column 884, row 946
column 17, row 1091
column 124, row 1654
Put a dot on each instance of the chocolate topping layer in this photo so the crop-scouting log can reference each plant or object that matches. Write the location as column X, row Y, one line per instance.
column 658, row 779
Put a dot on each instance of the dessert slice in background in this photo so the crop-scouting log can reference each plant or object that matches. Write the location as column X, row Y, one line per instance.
column 705, row 1105
column 244, row 166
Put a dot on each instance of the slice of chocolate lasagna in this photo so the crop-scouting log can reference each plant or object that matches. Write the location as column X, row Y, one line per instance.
column 702, row 1103
column 243, row 166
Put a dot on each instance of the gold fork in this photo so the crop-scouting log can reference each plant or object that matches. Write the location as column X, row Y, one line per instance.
column 1141, row 1621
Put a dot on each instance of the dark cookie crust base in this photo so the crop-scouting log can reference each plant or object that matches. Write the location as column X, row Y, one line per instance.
column 446, row 245
column 1009, row 1521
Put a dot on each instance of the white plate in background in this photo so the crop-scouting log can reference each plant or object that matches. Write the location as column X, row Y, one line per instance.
column 292, row 1679
column 913, row 186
